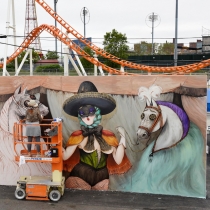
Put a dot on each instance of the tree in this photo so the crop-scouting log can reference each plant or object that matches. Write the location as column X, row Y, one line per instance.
column 87, row 64
column 115, row 44
column 166, row 48
column 49, row 68
column 51, row 55
column 35, row 57
column 145, row 48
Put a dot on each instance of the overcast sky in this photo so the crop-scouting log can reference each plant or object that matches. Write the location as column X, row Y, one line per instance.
column 126, row 16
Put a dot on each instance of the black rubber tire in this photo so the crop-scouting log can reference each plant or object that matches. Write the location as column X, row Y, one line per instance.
column 55, row 195
column 20, row 193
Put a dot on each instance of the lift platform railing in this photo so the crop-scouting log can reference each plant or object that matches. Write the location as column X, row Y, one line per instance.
column 50, row 143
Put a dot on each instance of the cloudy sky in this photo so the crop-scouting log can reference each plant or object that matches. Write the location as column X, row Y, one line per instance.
column 129, row 17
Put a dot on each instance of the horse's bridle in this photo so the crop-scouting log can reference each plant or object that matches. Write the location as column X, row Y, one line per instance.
column 18, row 105
column 158, row 118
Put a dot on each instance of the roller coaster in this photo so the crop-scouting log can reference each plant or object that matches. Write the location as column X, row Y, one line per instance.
column 185, row 69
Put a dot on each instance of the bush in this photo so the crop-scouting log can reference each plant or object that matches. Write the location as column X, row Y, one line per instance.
column 49, row 68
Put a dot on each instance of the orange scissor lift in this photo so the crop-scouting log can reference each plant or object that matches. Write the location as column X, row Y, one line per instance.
column 41, row 187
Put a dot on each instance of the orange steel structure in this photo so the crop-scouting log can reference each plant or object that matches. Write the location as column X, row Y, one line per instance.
column 185, row 69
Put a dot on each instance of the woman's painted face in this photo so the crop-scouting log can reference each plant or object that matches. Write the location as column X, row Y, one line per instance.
column 87, row 114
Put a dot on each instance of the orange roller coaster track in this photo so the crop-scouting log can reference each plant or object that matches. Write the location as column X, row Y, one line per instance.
column 176, row 69
column 66, row 40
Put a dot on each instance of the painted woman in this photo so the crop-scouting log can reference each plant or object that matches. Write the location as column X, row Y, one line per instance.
column 92, row 153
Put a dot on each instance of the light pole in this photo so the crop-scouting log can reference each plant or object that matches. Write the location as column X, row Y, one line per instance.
column 153, row 18
column 56, row 47
column 176, row 32
column 84, row 14
column 85, row 17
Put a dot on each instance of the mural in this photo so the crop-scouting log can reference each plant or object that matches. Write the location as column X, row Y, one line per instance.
column 15, row 108
column 148, row 136
column 173, row 160
column 99, row 153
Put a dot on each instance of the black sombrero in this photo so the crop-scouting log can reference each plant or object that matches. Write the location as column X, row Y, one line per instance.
column 88, row 95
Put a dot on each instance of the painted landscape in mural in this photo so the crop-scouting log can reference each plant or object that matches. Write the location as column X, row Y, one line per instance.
column 150, row 138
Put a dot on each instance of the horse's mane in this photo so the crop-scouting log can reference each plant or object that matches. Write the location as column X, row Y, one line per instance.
column 4, row 114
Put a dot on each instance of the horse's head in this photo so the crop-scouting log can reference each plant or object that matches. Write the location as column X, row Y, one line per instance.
column 151, row 117
column 21, row 98
column 151, row 121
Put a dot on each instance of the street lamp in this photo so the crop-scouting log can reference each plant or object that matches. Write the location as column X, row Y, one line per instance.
column 85, row 17
column 153, row 18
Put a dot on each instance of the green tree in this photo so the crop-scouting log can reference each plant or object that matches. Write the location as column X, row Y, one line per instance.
column 49, row 68
column 145, row 48
column 166, row 49
column 115, row 44
column 51, row 55
column 35, row 57
column 87, row 64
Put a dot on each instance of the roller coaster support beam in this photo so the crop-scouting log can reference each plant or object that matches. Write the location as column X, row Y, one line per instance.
column 95, row 66
column 66, row 66
column 31, row 64
column 79, row 62
column 74, row 65
column 10, row 3
column 99, row 67
column 22, row 62
column 101, row 70
column 122, row 69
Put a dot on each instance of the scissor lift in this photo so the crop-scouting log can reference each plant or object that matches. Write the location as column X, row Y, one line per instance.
column 41, row 187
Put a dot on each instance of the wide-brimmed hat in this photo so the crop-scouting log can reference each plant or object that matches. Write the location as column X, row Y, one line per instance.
column 32, row 103
column 88, row 95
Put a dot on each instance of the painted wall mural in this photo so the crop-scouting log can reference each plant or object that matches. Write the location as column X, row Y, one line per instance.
column 148, row 136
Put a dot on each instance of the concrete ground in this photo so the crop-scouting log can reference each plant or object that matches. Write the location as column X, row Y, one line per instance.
column 94, row 200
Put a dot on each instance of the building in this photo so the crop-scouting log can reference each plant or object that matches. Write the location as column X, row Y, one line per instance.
column 206, row 44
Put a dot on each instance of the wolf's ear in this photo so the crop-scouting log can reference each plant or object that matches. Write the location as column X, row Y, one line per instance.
column 17, row 91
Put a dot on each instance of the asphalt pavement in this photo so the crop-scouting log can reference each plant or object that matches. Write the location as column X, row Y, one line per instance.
column 106, row 200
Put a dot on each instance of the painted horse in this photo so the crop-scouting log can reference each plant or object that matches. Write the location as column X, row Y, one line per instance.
column 13, row 109
column 173, row 160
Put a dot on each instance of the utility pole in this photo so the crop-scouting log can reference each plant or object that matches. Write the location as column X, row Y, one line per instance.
column 56, row 47
column 176, row 32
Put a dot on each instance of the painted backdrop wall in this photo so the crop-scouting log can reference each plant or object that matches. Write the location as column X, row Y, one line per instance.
column 177, row 168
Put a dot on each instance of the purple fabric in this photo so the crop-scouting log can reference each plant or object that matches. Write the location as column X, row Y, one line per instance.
column 181, row 114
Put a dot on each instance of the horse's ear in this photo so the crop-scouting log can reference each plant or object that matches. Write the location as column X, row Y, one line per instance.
column 25, row 91
column 17, row 91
